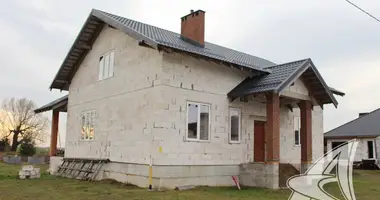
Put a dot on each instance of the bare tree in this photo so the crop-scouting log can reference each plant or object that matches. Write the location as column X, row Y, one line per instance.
column 18, row 121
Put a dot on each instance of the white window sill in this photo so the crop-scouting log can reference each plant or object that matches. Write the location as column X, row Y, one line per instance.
column 99, row 80
column 297, row 145
column 235, row 142
column 196, row 140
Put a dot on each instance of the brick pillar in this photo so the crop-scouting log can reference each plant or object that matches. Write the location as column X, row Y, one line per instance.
column 54, row 133
column 306, row 132
column 272, row 133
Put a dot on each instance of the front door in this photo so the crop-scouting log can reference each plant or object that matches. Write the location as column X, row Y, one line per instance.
column 259, row 141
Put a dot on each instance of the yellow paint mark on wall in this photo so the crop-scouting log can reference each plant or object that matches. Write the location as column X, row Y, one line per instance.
column 160, row 149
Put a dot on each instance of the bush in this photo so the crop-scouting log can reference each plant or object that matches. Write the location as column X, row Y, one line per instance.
column 4, row 144
column 60, row 152
column 26, row 148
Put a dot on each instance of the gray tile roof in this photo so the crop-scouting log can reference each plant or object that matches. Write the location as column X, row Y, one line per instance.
column 268, row 75
column 365, row 126
column 173, row 40
column 268, row 82
column 281, row 76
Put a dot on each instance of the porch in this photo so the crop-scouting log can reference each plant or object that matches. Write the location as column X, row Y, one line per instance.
column 57, row 106
column 302, row 88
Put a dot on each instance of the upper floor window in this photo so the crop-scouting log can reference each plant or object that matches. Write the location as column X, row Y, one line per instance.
column 106, row 65
column 88, row 125
column 198, row 121
column 297, row 130
column 235, row 121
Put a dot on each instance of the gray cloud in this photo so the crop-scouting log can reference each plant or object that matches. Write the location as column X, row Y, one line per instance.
column 342, row 41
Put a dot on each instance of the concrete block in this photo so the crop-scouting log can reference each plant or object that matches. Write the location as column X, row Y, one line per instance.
column 34, row 160
column 12, row 159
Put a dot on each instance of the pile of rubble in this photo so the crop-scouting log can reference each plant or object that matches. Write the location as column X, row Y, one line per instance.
column 29, row 172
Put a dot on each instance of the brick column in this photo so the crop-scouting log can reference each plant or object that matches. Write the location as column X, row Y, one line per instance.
column 272, row 133
column 54, row 133
column 306, row 133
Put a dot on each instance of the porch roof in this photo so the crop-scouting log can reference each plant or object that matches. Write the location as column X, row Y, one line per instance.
column 58, row 104
column 282, row 76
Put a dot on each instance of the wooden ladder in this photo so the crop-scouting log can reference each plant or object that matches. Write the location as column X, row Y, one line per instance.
column 81, row 168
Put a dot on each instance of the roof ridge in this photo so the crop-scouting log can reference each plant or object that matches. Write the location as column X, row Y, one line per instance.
column 365, row 116
column 291, row 62
column 138, row 21
column 293, row 75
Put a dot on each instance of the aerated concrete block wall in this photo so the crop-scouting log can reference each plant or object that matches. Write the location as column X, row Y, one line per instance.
column 125, row 103
column 141, row 114
column 189, row 79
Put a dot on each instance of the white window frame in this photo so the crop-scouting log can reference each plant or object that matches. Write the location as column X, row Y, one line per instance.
column 230, row 126
column 103, row 69
column 198, row 122
column 92, row 114
column 297, row 119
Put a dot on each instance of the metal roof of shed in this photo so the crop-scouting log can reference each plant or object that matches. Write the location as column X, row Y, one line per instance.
column 365, row 126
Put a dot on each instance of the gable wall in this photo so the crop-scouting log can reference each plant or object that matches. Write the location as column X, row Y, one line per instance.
column 123, row 103
column 299, row 87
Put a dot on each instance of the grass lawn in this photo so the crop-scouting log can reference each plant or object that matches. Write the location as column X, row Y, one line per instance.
column 366, row 183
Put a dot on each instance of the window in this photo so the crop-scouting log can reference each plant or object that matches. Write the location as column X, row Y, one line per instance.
column 106, row 65
column 297, row 130
column 235, row 121
column 87, row 124
column 198, row 121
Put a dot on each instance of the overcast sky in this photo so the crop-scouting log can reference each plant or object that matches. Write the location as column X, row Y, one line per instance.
column 343, row 42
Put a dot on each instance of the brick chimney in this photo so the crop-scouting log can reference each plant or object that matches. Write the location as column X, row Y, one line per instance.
column 193, row 27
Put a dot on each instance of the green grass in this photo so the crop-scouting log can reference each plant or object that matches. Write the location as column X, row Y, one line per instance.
column 366, row 183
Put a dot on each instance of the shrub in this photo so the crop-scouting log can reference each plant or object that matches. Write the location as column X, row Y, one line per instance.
column 26, row 148
column 4, row 144
column 60, row 152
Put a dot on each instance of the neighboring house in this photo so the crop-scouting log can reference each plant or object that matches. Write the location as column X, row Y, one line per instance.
column 365, row 128
column 198, row 112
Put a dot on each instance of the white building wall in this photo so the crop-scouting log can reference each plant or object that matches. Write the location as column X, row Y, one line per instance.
column 190, row 79
column 291, row 153
column 123, row 103
column 361, row 150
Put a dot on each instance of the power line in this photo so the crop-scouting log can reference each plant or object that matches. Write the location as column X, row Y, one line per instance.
column 369, row 14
